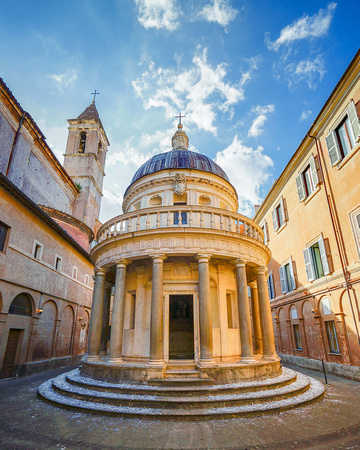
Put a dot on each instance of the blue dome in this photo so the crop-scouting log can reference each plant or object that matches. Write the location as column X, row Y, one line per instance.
column 179, row 159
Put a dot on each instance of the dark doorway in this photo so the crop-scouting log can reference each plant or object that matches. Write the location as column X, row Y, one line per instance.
column 181, row 327
column 9, row 367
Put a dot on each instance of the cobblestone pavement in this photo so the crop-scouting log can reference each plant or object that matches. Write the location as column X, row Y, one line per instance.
column 27, row 422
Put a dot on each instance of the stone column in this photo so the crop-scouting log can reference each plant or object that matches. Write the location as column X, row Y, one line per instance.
column 206, row 336
column 256, row 318
column 105, row 322
column 117, row 319
column 157, row 312
column 247, row 353
column 269, row 351
column 96, row 315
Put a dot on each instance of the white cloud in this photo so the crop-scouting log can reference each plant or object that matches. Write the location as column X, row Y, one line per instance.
column 220, row 11
column 158, row 14
column 305, row 115
column 305, row 28
column 256, row 128
column 64, row 79
column 248, row 169
column 201, row 90
column 310, row 71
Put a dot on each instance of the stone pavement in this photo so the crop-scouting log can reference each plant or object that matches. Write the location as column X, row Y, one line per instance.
column 26, row 422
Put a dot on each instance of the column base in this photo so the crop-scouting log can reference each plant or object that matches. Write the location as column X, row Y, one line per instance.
column 116, row 361
column 271, row 357
column 247, row 360
column 207, row 362
column 93, row 358
column 156, row 363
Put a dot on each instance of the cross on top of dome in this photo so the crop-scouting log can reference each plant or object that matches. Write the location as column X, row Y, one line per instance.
column 180, row 141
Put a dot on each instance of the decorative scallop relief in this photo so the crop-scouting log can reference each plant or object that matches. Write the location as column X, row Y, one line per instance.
column 155, row 200
column 204, row 200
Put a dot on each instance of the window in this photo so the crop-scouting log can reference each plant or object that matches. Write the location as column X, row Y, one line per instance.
column 82, row 142
column 4, row 236
column 297, row 337
column 293, row 313
column 316, row 262
column 132, row 308
column 287, row 277
column 265, row 229
column 326, row 306
column 183, row 215
column 278, row 214
column 37, row 250
column 332, row 337
column 58, row 262
column 342, row 139
column 307, row 180
column 86, row 280
column 355, row 223
column 75, row 273
column 271, row 286
column 21, row 306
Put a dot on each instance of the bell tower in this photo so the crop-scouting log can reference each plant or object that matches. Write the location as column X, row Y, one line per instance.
column 85, row 161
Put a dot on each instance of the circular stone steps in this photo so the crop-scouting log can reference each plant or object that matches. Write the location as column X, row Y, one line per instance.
column 194, row 402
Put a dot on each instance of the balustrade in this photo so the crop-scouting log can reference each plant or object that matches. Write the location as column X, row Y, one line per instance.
column 186, row 216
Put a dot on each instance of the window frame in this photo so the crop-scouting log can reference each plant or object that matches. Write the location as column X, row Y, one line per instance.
column 75, row 273
column 278, row 215
column 310, row 259
column 285, row 275
column 37, row 251
column 297, row 337
column 332, row 339
column 265, row 227
column 333, row 140
column 271, row 286
column 57, row 266
column 7, row 229
column 355, row 225
column 301, row 183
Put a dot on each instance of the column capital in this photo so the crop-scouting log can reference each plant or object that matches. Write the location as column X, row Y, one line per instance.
column 260, row 270
column 240, row 263
column 158, row 258
column 100, row 271
column 122, row 263
column 203, row 257
column 252, row 285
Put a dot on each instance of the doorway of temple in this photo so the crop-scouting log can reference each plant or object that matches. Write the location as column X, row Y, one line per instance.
column 181, row 327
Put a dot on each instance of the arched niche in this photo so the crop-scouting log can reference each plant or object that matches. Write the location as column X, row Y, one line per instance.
column 45, row 332
column 65, row 332
column 286, row 342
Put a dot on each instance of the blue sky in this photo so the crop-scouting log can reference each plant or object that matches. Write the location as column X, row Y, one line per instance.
column 250, row 77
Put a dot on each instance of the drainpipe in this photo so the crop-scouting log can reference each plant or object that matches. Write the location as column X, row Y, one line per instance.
column 336, row 228
column 14, row 142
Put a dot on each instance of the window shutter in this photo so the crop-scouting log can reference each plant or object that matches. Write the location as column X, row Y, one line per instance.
column 265, row 230
column 313, row 169
column 282, row 209
column 275, row 220
column 272, row 290
column 354, row 120
column 310, row 272
column 300, row 187
column 333, row 148
column 293, row 283
column 269, row 286
column 323, row 256
column 284, row 285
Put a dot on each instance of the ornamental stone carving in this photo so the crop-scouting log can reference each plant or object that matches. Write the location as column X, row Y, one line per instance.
column 179, row 184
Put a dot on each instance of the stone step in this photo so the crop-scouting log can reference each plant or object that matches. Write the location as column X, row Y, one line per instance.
column 182, row 386
column 139, row 399
column 316, row 391
column 181, row 373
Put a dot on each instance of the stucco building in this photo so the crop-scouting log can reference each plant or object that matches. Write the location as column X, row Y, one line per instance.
column 311, row 223
column 48, row 219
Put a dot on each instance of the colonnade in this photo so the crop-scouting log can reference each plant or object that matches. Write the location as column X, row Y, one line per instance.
column 256, row 327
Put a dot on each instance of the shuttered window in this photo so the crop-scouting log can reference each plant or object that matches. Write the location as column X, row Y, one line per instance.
column 271, row 286
column 316, row 261
column 287, row 278
column 278, row 214
column 343, row 138
column 307, row 180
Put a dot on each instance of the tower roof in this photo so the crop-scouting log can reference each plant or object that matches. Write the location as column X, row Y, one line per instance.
column 90, row 113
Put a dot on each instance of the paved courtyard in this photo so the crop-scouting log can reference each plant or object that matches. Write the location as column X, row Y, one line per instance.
column 26, row 422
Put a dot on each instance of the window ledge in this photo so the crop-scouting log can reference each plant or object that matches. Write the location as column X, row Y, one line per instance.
column 348, row 157
column 281, row 228
column 334, row 354
column 312, row 195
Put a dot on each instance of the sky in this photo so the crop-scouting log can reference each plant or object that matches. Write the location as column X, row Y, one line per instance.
column 250, row 76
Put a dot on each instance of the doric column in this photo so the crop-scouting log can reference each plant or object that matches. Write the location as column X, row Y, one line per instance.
column 247, row 354
column 105, row 322
column 157, row 312
column 269, row 351
column 117, row 319
column 256, row 318
column 96, row 315
column 206, row 337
